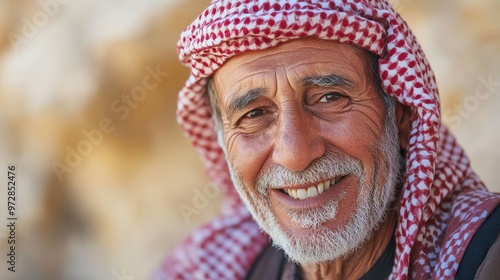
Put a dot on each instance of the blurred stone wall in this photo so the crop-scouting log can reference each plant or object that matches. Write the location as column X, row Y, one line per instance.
column 68, row 70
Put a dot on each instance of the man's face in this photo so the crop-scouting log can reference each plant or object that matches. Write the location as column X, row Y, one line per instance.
column 310, row 145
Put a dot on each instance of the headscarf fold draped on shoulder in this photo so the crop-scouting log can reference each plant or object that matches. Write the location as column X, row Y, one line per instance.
column 443, row 201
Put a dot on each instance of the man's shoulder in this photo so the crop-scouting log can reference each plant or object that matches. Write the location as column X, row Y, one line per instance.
column 483, row 251
column 462, row 216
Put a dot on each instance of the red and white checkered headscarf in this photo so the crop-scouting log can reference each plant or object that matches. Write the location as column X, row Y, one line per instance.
column 443, row 200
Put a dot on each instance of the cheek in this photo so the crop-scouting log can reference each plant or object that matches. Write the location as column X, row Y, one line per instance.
column 355, row 135
column 351, row 136
column 248, row 154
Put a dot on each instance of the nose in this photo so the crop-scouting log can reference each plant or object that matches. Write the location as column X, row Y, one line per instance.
column 298, row 141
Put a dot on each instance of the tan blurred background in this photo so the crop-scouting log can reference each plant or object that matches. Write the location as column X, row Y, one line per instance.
column 68, row 69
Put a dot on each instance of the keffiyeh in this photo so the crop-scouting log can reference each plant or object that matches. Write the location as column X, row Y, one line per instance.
column 443, row 201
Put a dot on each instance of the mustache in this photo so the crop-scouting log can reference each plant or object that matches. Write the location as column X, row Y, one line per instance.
column 326, row 167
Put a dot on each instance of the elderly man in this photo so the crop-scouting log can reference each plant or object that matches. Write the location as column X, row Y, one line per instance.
column 323, row 118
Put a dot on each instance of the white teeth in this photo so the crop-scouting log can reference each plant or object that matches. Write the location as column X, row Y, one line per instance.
column 312, row 191
column 321, row 188
column 301, row 193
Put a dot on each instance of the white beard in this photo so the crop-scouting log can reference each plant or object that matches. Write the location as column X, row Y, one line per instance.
column 326, row 244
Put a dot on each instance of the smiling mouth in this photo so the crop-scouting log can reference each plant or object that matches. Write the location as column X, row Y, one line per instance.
column 312, row 191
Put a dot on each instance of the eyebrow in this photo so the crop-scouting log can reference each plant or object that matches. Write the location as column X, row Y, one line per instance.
column 243, row 101
column 327, row 81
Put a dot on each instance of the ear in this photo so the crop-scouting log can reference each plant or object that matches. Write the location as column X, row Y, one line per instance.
column 403, row 115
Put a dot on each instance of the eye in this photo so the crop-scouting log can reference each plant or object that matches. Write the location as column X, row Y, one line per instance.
column 330, row 97
column 254, row 113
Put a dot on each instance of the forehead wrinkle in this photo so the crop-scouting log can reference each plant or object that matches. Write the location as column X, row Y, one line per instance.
column 322, row 67
column 234, row 87
column 252, row 75
column 255, row 60
column 252, row 63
